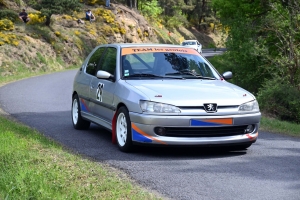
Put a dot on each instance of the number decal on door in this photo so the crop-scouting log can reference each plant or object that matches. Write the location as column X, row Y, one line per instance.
column 99, row 92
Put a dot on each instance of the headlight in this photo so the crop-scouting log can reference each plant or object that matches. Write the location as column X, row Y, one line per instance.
column 155, row 107
column 250, row 106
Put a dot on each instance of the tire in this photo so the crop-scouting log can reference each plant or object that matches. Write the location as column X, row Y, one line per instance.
column 123, row 130
column 78, row 122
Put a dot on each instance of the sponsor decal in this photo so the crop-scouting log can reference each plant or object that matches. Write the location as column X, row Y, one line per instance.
column 83, row 106
column 211, row 122
column 140, row 136
column 99, row 92
column 126, row 51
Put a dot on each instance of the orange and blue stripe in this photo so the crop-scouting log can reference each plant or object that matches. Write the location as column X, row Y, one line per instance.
column 211, row 122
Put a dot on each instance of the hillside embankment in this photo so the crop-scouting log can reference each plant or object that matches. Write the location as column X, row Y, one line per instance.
column 35, row 47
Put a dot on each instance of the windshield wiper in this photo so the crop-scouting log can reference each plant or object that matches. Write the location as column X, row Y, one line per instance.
column 187, row 72
column 151, row 76
column 143, row 75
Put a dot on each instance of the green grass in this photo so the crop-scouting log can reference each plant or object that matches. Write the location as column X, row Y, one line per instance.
column 34, row 167
column 277, row 126
column 23, row 73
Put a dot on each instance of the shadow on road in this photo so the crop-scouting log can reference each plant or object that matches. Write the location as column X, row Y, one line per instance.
column 96, row 142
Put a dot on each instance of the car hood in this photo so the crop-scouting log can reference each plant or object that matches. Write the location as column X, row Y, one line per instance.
column 192, row 92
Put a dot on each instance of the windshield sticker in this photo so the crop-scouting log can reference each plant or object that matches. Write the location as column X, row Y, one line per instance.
column 126, row 51
column 126, row 72
column 99, row 92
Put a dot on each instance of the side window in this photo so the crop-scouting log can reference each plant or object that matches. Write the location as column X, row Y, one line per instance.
column 108, row 62
column 91, row 67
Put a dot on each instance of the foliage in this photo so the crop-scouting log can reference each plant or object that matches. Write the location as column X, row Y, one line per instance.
column 104, row 14
column 151, row 9
column 49, row 7
column 92, row 2
column 246, row 64
column 36, row 18
column 8, row 14
column 6, row 25
column 278, row 98
column 264, row 46
column 177, row 20
column 280, row 41
column 7, row 38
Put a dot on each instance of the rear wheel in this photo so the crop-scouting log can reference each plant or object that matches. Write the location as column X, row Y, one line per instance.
column 123, row 130
column 78, row 122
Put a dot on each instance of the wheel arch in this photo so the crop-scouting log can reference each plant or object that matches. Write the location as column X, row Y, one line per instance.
column 74, row 93
column 114, row 120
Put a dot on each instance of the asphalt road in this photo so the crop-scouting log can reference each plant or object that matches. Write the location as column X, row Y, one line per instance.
column 269, row 169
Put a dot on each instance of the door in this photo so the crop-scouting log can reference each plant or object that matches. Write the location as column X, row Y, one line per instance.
column 102, row 90
column 87, row 74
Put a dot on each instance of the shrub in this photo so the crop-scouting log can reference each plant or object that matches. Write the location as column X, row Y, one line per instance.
column 122, row 30
column 6, row 25
column 36, row 18
column 57, row 33
column 8, row 39
column 281, row 100
column 92, row 2
column 8, row 14
column 105, row 14
column 67, row 17
column 107, row 30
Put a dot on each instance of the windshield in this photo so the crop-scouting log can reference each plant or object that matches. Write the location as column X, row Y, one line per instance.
column 166, row 63
column 188, row 43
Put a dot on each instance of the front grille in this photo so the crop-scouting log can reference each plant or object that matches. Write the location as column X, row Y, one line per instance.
column 205, row 131
column 202, row 107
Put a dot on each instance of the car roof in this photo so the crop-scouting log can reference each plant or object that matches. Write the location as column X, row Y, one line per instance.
column 189, row 40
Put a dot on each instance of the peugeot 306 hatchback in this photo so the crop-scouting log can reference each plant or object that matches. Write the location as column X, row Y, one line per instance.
column 162, row 95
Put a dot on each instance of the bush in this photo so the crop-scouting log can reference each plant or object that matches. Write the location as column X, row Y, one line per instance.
column 9, row 14
column 36, row 18
column 92, row 2
column 10, row 39
column 6, row 25
column 281, row 100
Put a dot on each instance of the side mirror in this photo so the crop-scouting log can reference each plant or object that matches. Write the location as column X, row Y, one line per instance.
column 105, row 75
column 227, row 75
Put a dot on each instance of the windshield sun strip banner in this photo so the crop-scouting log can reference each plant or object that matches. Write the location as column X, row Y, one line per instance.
column 136, row 50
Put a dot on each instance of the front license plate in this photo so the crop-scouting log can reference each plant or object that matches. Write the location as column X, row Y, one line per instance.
column 211, row 122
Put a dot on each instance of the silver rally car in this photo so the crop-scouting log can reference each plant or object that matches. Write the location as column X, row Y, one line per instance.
column 162, row 94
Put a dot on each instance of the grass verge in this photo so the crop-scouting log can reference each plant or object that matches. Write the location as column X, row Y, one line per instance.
column 34, row 167
column 277, row 126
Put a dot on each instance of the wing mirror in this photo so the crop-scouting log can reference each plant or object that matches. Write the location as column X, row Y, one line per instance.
column 105, row 75
column 227, row 75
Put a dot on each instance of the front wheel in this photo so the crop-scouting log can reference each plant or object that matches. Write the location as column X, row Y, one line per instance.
column 78, row 122
column 123, row 130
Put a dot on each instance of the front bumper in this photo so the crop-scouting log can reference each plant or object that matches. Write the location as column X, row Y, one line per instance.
column 143, row 129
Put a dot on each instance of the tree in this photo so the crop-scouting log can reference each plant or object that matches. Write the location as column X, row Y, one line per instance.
column 243, row 23
column 50, row 7
column 264, row 47
column 151, row 10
